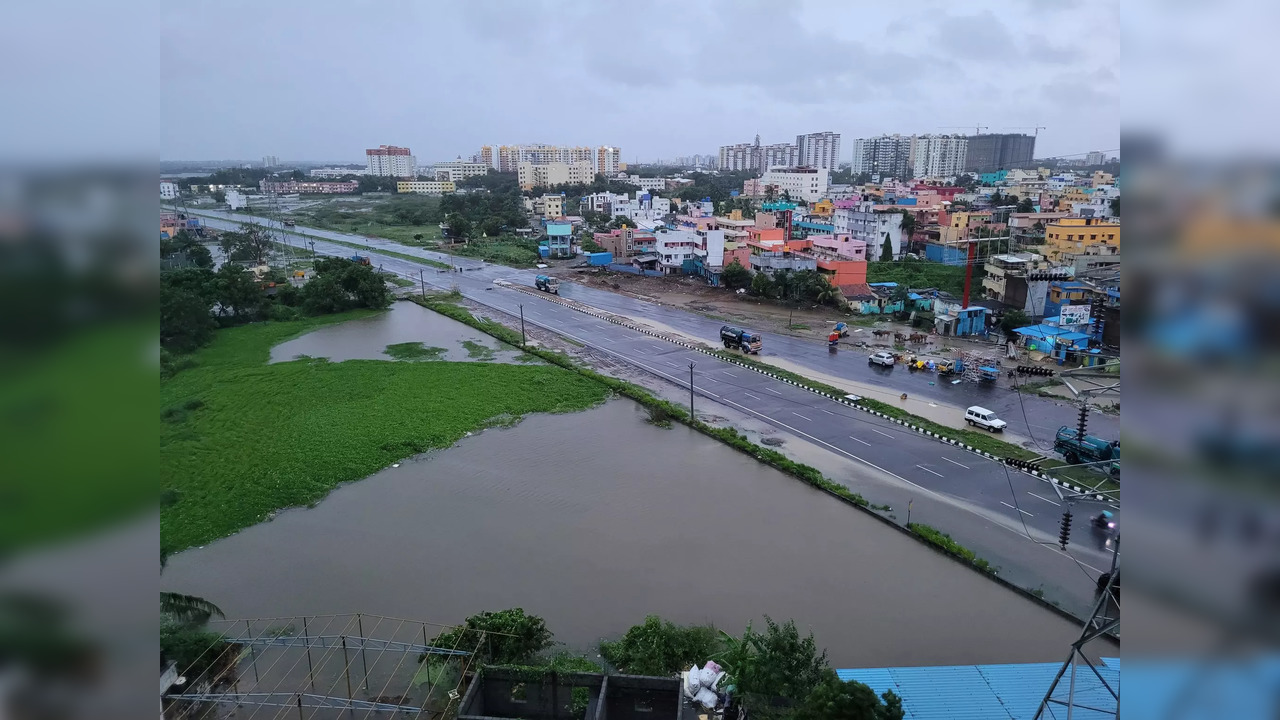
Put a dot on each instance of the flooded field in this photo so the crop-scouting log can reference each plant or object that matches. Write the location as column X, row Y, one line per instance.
column 442, row 338
column 594, row 520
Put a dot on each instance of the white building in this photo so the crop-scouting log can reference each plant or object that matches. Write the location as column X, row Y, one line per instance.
column 801, row 183
column 884, row 155
column 1095, row 157
column 426, row 187
column 168, row 190
column 938, row 155
column 237, row 200
column 863, row 222
column 335, row 173
column 390, row 161
column 820, row 150
column 602, row 202
column 675, row 246
column 646, row 183
column 270, row 161
column 780, row 155
column 455, row 170
column 553, row 174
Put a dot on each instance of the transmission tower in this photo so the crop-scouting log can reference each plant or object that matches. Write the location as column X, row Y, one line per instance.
column 1104, row 620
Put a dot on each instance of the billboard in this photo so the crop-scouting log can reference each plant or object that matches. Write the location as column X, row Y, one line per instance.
column 1073, row 315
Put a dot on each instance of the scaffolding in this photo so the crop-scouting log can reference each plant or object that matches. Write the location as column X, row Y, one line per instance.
column 325, row 666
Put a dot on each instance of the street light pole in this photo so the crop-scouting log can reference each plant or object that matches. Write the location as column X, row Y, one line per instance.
column 423, row 281
column 523, row 340
column 692, row 417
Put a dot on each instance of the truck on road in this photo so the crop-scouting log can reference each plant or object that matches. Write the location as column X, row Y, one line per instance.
column 546, row 283
column 360, row 259
column 744, row 340
column 1076, row 450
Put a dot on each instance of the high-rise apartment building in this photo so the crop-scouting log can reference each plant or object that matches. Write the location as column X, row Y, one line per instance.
column 553, row 174
column 887, row 155
column 607, row 159
column 800, row 183
column 486, row 157
column 820, row 150
column 999, row 151
column 778, row 155
column 743, row 156
column 455, row 170
column 938, row 155
column 270, row 161
column 390, row 161
column 1095, row 158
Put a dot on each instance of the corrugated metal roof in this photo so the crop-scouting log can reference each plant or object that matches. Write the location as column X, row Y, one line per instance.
column 988, row 692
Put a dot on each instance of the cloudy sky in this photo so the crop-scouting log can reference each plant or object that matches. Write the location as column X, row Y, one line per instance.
column 323, row 80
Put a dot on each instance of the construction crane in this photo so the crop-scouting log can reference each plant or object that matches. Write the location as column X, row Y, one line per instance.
column 977, row 129
column 1036, row 128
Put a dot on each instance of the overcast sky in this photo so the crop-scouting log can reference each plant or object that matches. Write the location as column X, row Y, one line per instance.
column 324, row 80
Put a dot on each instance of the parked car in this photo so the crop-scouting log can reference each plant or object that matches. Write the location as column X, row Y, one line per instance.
column 984, row 418
column 882, row 358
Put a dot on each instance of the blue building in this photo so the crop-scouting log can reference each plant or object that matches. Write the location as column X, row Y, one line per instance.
column 946, row 254
column 559, row 239
column 991, row 178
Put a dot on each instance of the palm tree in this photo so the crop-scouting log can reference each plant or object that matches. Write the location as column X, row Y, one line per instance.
column 187, row 610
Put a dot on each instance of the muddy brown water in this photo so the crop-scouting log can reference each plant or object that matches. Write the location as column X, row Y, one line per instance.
column 367, row 338
column 595, row 519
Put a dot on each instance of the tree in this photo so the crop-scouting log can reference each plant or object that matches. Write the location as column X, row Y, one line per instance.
column 459, row 227
column 761, row 285
column 297, row 175
column 659, row 647
column 219, row 196
column 417, row 237
column 187, row 610
column 238, row 295
column 510, row 637
column 833, row 699
column 491, row 226
column 829, row 294
column 1115, row 206
column 908, row 224
column 1012, row 320
column 1025, row 205
column 735, row 276
column 341, row 285
column 886, row 249
column 967, row 181
column 185, row 322
column 775, row 664
column 252, row 243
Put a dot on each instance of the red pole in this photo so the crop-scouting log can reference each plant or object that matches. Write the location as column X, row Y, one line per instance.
column 968, row 272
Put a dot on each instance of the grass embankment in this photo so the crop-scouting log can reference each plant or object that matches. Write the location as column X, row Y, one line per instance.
column 663, row 411
column 918, row 274
column 400, row 218
column 936, row 537
column 240, row 438
column 503, row 250
column 380, row 251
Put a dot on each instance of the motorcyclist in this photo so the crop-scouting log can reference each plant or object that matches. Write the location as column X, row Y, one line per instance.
column 1105, row 520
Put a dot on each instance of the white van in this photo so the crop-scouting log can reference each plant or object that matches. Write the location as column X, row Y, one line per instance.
column 984, row 418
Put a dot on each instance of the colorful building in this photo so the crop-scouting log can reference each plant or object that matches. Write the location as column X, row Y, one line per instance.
column 1073, row 234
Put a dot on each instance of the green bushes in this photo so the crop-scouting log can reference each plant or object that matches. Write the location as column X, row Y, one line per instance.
column 510, row 637
column 660, row 647
column 942, row 540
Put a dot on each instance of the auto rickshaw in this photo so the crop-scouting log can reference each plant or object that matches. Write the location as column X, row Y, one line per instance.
column 842, row 329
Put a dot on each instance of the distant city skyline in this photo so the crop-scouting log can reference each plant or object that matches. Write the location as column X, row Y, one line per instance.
column 853, row 70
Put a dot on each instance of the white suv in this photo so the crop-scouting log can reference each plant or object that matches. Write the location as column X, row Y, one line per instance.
column 882, row 358
column 984, row 418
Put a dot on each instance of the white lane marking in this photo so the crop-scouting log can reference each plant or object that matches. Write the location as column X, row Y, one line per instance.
column 726, row 372
column 671, row 363
column 775, row 392
column 882, row 433
column 1024, row 512
column 1052, row 502
column 953, row 462
column 639, row 351
column 755, row 397
column 802, row 417
column 708, row 377
column 826, row 411
column 864, row 442
column 935, row 472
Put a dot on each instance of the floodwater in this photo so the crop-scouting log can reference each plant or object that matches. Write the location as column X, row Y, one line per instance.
column 595, row 519
column 367, row 338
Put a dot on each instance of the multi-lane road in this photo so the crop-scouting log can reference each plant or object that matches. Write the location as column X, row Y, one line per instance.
column 969, row 482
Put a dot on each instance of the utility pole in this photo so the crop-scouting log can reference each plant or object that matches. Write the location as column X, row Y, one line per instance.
column 423, row 281
column 523, row 340
column 692, row 417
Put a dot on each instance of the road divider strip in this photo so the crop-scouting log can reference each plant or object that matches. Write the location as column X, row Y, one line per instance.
column 616, row 320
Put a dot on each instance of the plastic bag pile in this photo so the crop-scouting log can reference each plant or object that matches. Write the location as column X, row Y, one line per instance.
column 700, row 685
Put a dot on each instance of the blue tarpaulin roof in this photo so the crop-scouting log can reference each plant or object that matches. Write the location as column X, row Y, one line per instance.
column 1040, row 331
column 1074, row 336
column 914, row 296
column 989, row 692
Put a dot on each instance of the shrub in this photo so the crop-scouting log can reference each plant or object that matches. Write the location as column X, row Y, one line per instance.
column 660, row 647
column 510, row 637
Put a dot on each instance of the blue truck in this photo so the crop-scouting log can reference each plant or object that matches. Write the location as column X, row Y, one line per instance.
column 546, row 283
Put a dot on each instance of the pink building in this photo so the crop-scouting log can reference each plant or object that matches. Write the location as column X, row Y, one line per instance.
column 842, row 246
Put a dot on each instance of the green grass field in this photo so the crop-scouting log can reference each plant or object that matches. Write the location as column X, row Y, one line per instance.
column 240, row 438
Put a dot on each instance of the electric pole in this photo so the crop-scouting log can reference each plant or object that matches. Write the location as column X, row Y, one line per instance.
column 423, row 281
column 692, row 417
column 523, row 341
